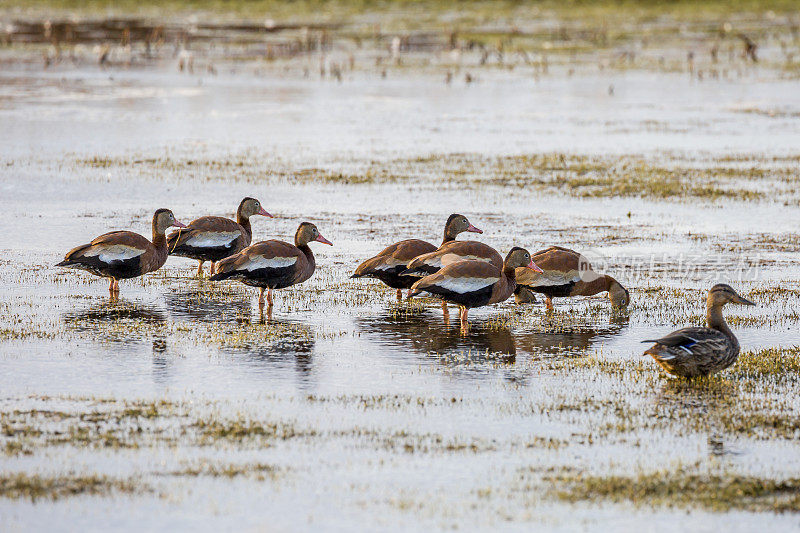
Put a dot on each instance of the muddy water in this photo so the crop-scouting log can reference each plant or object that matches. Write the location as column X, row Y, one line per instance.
column 398, row 420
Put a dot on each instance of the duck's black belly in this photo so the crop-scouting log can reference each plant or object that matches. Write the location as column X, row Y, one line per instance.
column 129, row 268
column 554, row 291
column 393, row 279
column 269, row 278
column 470, row 299
column 209, row 253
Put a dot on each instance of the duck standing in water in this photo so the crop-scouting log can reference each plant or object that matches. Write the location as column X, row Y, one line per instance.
column 123, row 254
column 215, row 238
column 273, row 264
column 566, row 273
column 475, row 283
column 389, row 265
column 699, row 351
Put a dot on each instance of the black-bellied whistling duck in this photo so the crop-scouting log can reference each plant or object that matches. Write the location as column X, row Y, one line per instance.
column 566, row 273
column 697, row 351
column 273, row 264
column 215, row 238
column 389, row 265
column 475, row 283
column 124, row 254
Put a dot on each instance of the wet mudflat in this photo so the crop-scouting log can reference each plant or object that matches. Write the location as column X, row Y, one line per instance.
column 181, row 404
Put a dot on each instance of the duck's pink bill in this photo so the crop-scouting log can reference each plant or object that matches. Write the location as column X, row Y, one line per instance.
column 323, row 240
column 178, row 224
column 533, row 266
column 263, row 212
column 473, row 229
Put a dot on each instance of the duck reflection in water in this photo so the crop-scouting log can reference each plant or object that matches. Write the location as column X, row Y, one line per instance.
column 422, row 335
column 288, row 345
column 111, row 309
column 122, row 326
column 577, row 340
column 201, row 304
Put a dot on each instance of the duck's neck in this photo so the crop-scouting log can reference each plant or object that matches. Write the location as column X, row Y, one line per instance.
column 715, row 320
column 309, row 255
column 511, row 276
column 244, row 222
column 160, row 243
column 447, row 237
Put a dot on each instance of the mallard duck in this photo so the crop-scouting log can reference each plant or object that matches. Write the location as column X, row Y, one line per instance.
column 389, row 265
column 698, row 351
column 566, row 273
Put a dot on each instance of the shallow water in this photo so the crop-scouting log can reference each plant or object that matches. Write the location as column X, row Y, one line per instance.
column 397, row 419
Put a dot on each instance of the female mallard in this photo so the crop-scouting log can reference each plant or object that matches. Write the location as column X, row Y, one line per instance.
column 698, row 351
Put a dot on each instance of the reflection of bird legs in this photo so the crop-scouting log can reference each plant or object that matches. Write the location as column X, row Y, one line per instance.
column 464, row 322
column 200, row 269
column 399, row 295
column 113, row 286
column 549, row 302
column 445, row 314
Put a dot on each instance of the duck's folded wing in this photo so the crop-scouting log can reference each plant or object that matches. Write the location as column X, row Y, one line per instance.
column 561, row 266
column 693, row 340
column 116, row 246
column 206, row 232
column 263, row 256
column 461, row 277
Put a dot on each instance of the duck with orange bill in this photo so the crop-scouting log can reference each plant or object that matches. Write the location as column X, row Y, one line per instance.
column 214, row 238
column 124, row 254
column 273, row 264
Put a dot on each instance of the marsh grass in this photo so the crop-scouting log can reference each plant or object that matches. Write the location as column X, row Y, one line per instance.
column 552, row 173
column 682, row 488
column 36, row 486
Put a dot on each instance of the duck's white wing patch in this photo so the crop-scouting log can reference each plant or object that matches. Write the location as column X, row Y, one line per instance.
column 390, row 263
column 259, row 261
column 465, row 285
column 113, row 252
column 213, row 239
column 435, row 261
column 554, row 277
column 447, row 259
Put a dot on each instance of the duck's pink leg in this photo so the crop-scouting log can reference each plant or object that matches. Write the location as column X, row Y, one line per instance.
column 261, row 297
column 464, row 321
column 200, row 269
column 445, row 312
column 549, row 302
column 269, row 298
column 399, row 295
column 213, row 268
column 111, row 285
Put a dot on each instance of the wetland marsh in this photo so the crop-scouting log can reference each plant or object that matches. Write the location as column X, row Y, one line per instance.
column 651, row 142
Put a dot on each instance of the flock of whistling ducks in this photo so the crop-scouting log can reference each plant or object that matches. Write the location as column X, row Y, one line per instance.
column 466, row 273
